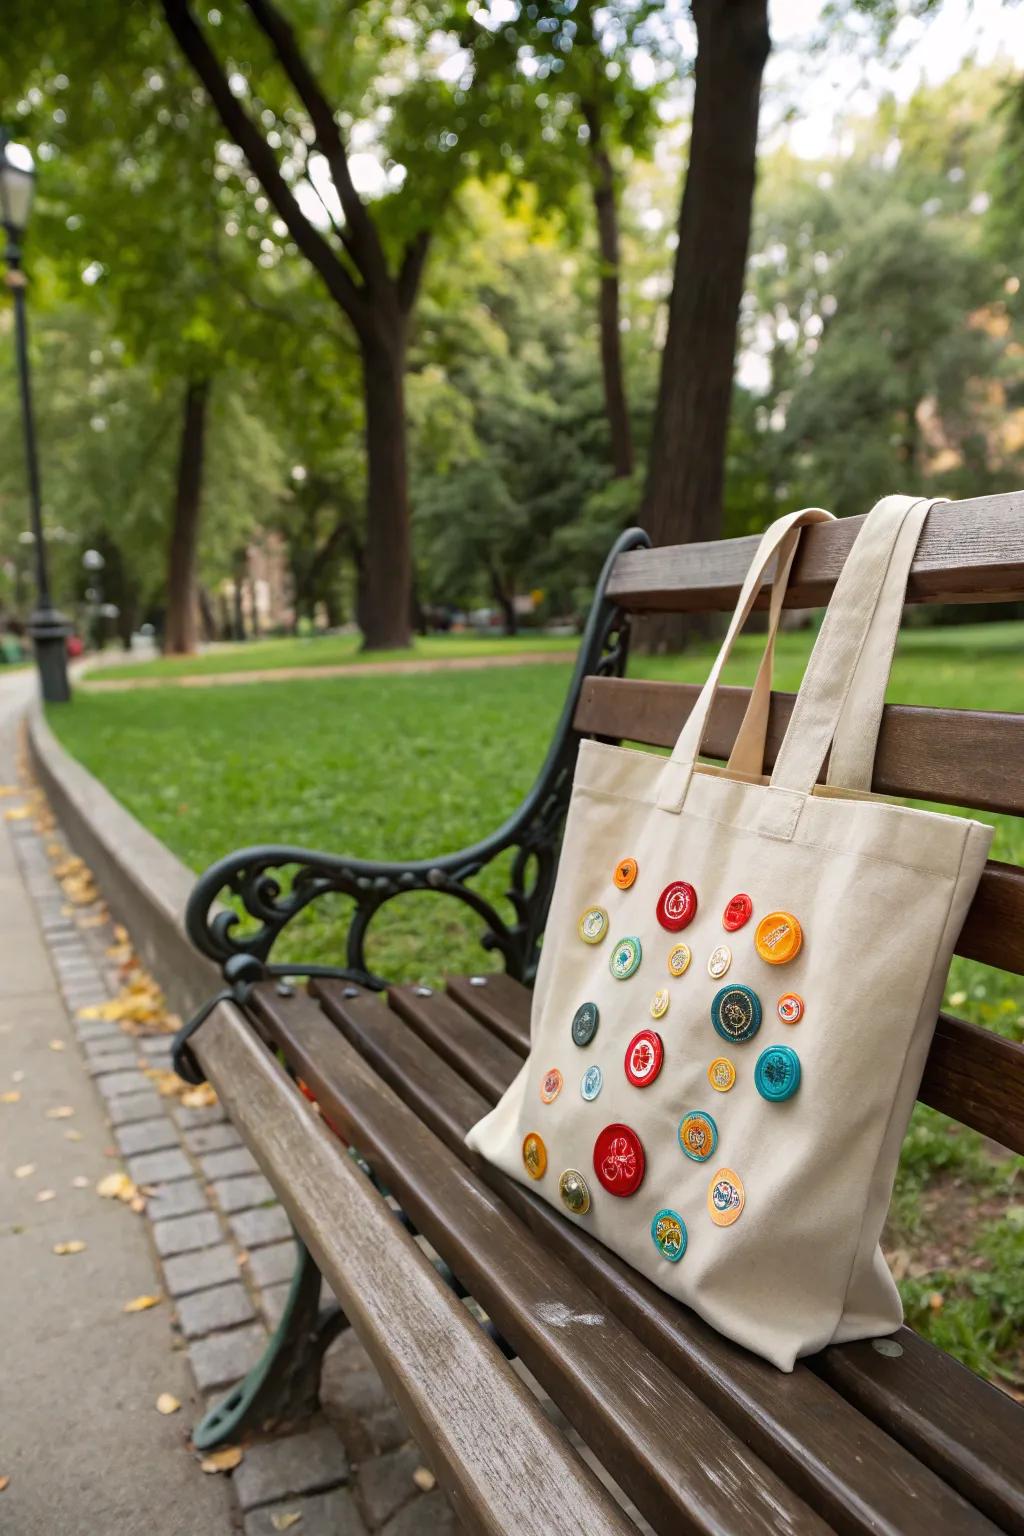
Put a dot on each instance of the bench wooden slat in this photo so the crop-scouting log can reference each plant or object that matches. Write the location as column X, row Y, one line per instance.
column 969, row 551
column 435, row 1359
column 665, row 1448
column 993, row 930
column 497, row 1001
column 481, row 1058
column 977, row 1077
column 968, row 757
column 855, row 1476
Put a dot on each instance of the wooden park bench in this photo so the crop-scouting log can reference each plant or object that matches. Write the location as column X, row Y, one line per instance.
column 890, row 1435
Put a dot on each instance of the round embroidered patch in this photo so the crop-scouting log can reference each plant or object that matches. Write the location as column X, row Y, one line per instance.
column 644, row 1057
column 659, row 1003
column 737, row 913
column 584, row 1023
column 726, row 1197
column 679, row 958
column 619, row 1160
column 575, row 1196
column 677, row 906
column 551, row 1086
column 625, row 958
column 721, row 1074
column 591, row 1083
column 625, row 873
column 736, row 1013
column 698, row 1135
column 593, row 925
column 535, row 1155
column 790, row 1008
column 778, row 938
column 668, row 1233
column 777, row 1073
column 719, row 962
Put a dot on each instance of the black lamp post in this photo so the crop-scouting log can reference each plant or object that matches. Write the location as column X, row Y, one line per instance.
column 48, row 628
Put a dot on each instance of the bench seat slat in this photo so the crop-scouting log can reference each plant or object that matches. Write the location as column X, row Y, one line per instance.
column 666, row 1449
column 968, row 757
column 481, row 1058
column 856, row 1476
column 969, row 551
column 435, row 1359
column 498, row 1001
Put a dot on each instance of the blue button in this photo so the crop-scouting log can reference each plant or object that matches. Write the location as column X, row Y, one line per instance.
column 736, row 1013
column 590, row 1085
column 777, row 1073
column 668, row 1233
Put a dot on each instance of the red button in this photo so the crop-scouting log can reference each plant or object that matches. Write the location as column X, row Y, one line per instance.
column 619, row 1160
column 737, row 913
column 677, row 906
column 644, row 1056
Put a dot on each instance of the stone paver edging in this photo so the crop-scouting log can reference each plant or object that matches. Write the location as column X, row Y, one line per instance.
column 305, row 674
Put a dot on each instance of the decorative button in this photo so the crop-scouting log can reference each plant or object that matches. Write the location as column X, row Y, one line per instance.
column 659, row 1003
column 790, row 1008
column 625, row 873
column 584, row 1023
column 591, row 1083
column 572, row 1187
column 777, row 1073
column 726, row 1197
column 593, row 925
column 619, row 1160
column 668, row 1232
column 679, row 958
column 778, row 938
column 737, row 913
column 719, row 962
column 736, row 1013
column 535, row 1155
column 698, row 1135
column 625, row 958
column 551, row 1087
column 644, row 1057
column 721, row 1074
column 677, row 906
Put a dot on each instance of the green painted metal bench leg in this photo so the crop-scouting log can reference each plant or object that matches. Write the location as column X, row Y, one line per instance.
column 284, row 1385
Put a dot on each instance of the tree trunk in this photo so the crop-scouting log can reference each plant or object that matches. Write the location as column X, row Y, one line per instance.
column 506, row 600
column 180, row 631
column 606, row 209
column 239, row 602
column 686, row 468
column 387, row 572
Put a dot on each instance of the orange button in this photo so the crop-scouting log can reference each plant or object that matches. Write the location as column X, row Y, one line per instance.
column 778, row 938
column 535, row 1155
column 625, row 873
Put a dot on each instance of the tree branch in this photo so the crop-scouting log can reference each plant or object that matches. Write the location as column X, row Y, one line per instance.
column 367, row 251
column 411, row 271
column 240, row 127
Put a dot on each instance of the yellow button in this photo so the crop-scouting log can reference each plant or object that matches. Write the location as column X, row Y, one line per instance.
column 721, row 1074
column 678, row 959
column 535, row 1155
column 625, row 873
column 778, row 938
column 659, row 1003
column 593, row 925
column 726, row 1197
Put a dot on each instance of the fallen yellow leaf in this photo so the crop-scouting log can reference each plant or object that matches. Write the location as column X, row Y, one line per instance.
column 23, row 1170
column 137, row 1204
column 167, row 1403
column 120, row 933
column 424, row 1479
column 202, row 1097
column 116, row 1186
column 222, row 1461
column 18, row 813
column 141, row 1303
column 286, row 1519
column 62, row 1112
column 10, row 1097
column 74, row 1246
column 10, row 789
column 3, row 1483
column 46, row 1194
column 56, row 1045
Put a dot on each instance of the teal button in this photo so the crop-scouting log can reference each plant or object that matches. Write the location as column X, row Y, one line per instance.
column 777, row 1073
column 668, row 1234
column 625, row 958
column 736, row 1013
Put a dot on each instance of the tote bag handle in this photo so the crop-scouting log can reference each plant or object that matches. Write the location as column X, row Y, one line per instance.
column 747, row 755
column 844, row 685
column 780, row 538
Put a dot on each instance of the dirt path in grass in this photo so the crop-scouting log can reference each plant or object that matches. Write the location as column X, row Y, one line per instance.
column 342, row 669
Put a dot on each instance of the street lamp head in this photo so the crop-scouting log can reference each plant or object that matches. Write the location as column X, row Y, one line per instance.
column 17, row 185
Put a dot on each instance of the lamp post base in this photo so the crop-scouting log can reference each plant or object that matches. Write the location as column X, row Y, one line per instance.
column 49, row 631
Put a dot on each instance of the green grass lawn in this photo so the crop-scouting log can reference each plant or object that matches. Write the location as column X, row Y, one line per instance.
column 330, row 651
column 410, row 766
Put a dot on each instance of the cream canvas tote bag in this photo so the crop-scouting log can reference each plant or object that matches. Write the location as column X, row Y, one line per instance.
column 739, row 983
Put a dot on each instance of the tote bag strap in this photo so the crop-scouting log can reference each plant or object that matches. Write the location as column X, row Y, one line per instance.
column 678, row 770
column 848, row 639
column 747, row 755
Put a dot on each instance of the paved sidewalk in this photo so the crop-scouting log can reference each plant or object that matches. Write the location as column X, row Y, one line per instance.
column 80, row 1438
column 95, row 684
